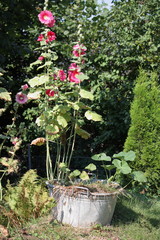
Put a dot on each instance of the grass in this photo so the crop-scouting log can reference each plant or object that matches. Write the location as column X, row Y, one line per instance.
column 138, row 218
column 135, row 218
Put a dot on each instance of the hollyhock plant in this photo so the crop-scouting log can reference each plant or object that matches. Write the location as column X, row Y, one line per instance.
column 59, row 96
column 79, row 50
column 47, row 18
column 21, row 98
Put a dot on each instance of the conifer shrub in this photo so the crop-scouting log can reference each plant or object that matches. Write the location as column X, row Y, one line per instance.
column 144, row 132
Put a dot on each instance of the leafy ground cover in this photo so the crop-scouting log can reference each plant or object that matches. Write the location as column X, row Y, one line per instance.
column 135, row 218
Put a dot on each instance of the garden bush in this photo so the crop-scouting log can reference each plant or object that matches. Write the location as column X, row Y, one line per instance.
column 27, row 200
column 144, row 132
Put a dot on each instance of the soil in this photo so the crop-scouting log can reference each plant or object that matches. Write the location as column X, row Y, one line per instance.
column 93, row 189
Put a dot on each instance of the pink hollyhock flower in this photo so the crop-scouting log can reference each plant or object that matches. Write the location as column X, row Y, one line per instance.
column 72, row 76
column 25, row 87
column 51, row 24
column 73, row 72
column 55, row 76
column 41, row 58
column 62, row 75
column 74, row 66
column 79, row 50
column 40, row 38
column 47, row 18
column 50, row 92
column 50, row 36
column 21, row 98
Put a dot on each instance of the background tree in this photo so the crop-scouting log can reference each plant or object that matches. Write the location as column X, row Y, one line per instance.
column 129, row 39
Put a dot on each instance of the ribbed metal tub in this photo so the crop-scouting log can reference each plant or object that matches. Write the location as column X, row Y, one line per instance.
column 81, row 208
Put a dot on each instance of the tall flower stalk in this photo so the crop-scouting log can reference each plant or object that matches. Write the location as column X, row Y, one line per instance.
column 60, row 97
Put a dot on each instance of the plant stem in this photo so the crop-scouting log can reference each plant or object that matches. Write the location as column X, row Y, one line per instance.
column 46, row 4
column 1, row 189
column 48, row 161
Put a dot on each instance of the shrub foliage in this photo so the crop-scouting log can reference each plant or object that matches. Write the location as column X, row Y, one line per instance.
column 144, row 132
column 29, row 199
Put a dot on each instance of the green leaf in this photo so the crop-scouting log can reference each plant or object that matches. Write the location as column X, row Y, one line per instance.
column 90, row 115
column 78, row 105
column 37, row 81
column 37, row 62
column 3, row 136
column 62, row 121
column 54, row 57
column 82, row 105
column 46, row 55
column 130, row 156
column 4, row 94
column 91, row 167
column 108, row 167
column 82, row 76
column 34, row 95
column 122, row 166
column 86, row 94
column 75, row 106
column 64, row 167
column 84, row 176
column 40, row 121
column 119, row 155
column 48, row 63
column 84, row 134
column 125, row 169
column 61, row 108
column 117, row 163
column 101, row 157
column 139, row 176
column 74, row 174
column 127, row 156
column 52, row 129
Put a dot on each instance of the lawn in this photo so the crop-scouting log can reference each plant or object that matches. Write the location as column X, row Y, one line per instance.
column 135, row 218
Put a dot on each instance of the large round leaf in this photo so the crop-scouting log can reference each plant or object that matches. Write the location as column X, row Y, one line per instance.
column 37, row 81
column 127, row 156
column 139, row 176
column 90, row 115
column 101, row 157
column 91, row 167
column 122, row 166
